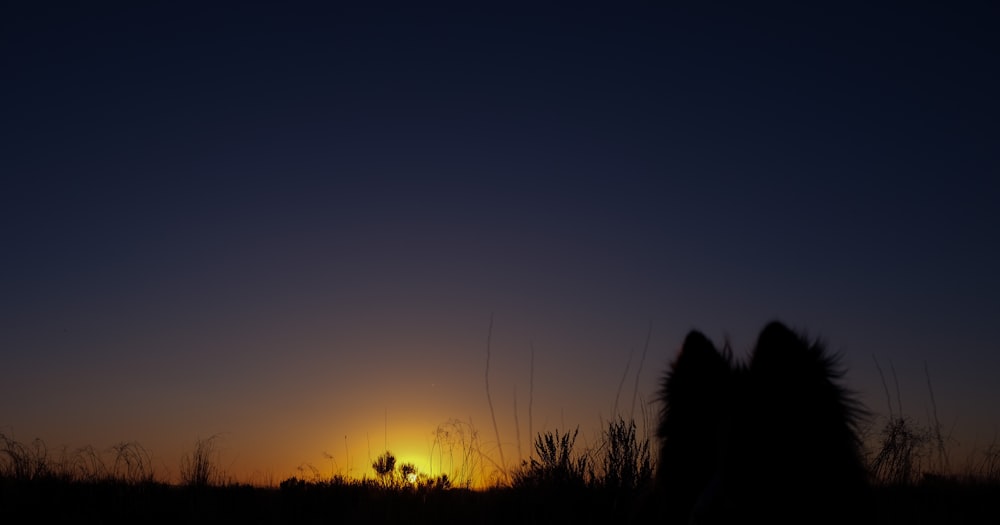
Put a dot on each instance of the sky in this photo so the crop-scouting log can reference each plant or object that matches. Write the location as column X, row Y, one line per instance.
column 319, row 230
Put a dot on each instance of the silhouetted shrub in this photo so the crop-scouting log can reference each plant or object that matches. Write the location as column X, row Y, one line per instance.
column 200, row 467
column 898, row 459
column 988, row 468
column 385, row 466
column 132, row 463
column 24, row 462
column 556, row 464
column 625, row 460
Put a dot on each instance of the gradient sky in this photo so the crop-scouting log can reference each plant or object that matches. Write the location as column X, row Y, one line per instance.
column 292, row 225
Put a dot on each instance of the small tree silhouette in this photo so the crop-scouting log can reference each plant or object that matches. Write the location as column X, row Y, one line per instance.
column 385, row 465
column 409, row 472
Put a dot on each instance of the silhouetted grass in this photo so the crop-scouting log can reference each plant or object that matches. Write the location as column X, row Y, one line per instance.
column 562, row 484
column 556, row 464
column 907, row 451
column 200, row 467
column 627, row 464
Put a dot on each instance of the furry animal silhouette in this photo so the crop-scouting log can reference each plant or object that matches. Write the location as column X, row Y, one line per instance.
column 774, row 439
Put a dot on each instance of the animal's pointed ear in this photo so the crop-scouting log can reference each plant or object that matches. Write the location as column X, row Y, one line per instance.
column 697, row 342
column 775, row 342
column 699, row 361
column 699, row 352
column 776, row 332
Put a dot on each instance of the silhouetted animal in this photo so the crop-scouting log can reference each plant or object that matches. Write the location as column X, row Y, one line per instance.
column 773, row 440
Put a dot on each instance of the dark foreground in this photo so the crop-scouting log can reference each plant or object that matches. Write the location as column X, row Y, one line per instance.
column 46, row 501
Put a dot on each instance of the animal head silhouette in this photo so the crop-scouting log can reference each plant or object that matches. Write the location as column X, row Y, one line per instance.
column 774, row 438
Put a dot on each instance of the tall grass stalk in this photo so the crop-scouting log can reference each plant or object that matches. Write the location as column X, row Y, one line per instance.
column 489, row 400
column 907, row 451
column 638, row 371
column 200, row 467
column 457, row 438
column 24, row 462
column 625, row 460
column 531, row 391
column 621, row 383
column 132, row 463
column 517, row 428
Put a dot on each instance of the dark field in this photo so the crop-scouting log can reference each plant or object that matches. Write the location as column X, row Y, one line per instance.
column 50, row 501
column 562, row 483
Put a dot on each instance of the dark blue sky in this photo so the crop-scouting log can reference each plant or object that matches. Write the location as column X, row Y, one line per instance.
column 292, row 223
